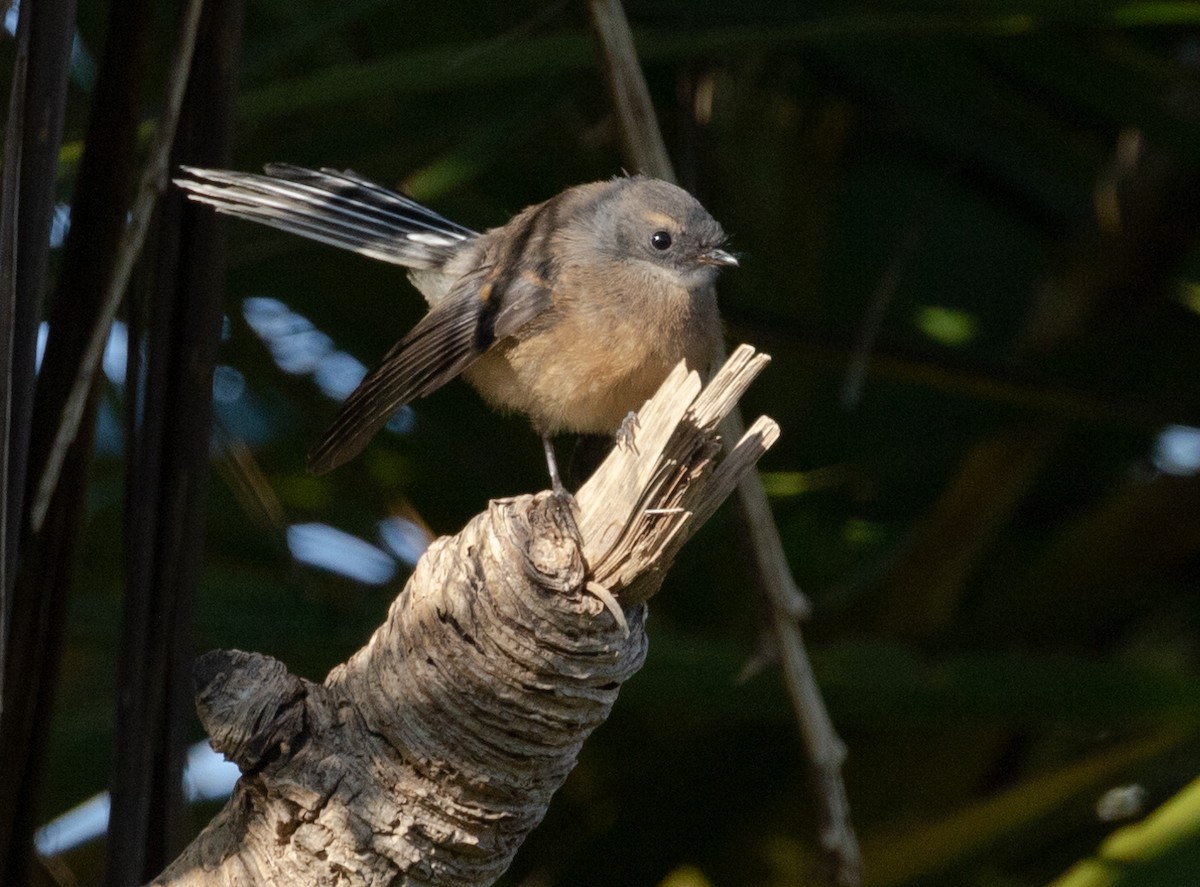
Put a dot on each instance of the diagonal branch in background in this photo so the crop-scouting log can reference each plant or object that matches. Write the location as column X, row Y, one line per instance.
column 429, row 755
column 175, row 314
column 44, row 574
column 153, row 183
column 786, row 605
column 641, row 136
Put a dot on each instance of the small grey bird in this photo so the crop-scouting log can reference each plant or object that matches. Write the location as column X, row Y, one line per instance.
column 572, row 313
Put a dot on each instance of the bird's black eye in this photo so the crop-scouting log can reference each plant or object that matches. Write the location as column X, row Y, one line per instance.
column 660, row 240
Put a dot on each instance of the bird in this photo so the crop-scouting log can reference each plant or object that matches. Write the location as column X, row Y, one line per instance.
column 572, row 313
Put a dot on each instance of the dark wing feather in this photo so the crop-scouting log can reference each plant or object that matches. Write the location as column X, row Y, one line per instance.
column 436, row 350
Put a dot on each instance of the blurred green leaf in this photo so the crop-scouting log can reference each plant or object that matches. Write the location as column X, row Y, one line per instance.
column 908, row 855
column 1162, row 850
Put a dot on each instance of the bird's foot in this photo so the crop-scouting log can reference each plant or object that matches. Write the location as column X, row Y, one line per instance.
column 625, row 432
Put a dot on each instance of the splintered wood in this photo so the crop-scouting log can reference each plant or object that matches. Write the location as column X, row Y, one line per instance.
column 428, row 756
column 653, row 493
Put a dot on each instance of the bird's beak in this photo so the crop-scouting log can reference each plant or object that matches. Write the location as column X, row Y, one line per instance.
column 719, row 257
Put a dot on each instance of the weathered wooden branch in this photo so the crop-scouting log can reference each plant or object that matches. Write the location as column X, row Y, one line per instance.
column 429, row 755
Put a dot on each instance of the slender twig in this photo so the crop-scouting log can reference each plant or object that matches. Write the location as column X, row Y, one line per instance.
column 786, row 605
column 640, row 132
column 10, row 504
column 155, row 178
column 881, row 298
column 34, row 620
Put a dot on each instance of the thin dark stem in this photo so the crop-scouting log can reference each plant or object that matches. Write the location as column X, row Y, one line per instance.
column 167, row 484
column 10, row 501
column 881, row 298
column 29, row 619
column 153, row 184
column 786, row 605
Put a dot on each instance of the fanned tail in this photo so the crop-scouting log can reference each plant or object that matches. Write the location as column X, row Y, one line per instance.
column 338, row 208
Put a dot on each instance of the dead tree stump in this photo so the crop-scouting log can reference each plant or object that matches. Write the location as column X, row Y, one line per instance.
column 429, row 755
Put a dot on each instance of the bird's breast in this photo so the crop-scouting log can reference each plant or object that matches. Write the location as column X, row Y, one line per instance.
column 596, row 356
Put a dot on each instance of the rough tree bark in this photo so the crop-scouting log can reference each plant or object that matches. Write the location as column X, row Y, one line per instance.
column 429, row 755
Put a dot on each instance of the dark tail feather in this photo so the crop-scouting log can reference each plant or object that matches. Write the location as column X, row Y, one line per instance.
column 338, row 208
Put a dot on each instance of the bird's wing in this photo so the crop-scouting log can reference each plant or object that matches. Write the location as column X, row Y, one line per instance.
column 438, row 348
column 339, row 208
column 483, row 308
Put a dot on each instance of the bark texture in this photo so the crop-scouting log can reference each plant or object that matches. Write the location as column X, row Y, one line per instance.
column 429, row 755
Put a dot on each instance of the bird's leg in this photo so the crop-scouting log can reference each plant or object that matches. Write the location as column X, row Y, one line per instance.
column 561, row 494
column 552, row 463
column 568, row 505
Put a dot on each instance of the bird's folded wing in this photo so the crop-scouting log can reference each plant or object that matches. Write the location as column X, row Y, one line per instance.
column 436, row 350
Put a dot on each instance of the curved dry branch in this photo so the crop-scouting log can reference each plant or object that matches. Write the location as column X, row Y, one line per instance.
column 429, row 755
column 786, row 604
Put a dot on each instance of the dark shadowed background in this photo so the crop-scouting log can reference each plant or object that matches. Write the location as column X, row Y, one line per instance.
column 967, row 237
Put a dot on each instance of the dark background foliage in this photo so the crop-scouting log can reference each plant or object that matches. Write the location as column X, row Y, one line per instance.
column 967, row 235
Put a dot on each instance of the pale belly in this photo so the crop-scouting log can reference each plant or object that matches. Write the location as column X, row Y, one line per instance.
column 579, row 383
